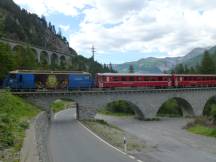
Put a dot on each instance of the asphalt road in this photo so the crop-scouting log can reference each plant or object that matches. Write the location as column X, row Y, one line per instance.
column 70, row 142
column 166, row 140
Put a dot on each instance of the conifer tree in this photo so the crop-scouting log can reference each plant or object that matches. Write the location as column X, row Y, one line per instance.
column 131, row 69
column 7, row 60
column 207, row 64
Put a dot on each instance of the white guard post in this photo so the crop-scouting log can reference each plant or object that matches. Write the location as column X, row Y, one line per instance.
column 125, row 144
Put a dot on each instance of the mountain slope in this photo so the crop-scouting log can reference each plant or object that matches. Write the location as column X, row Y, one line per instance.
column 196, row 59
column 149, row 65
column 18, row 24
column 160, row 65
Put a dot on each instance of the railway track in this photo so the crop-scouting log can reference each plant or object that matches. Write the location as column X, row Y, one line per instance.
column 98, row 91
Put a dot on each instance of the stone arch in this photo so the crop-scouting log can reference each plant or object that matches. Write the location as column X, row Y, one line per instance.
column 54, row 59
column 185, row 107
column 62, row 60
column 18, row 48
column 44, row 58
column 35, row 54
column 138, row 113
column 207, row 108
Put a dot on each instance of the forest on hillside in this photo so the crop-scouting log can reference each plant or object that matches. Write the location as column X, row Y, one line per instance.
column 20, row 25
column 207, row 66
column 24, row 58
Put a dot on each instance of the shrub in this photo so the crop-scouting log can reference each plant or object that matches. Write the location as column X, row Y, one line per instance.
column 170, row 108
column 213, row 113
column 24, row 125
column 120, row 107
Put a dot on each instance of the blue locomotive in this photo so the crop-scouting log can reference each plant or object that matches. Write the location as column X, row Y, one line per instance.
column 36, row 79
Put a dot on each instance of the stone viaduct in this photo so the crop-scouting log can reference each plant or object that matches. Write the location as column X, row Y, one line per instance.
column 147, row 102
column 41, row 55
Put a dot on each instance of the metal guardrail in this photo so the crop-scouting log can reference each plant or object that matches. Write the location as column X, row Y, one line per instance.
column 95, row 91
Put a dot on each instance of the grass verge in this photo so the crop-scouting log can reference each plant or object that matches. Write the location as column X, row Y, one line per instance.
column 114, row 135
column 15, row 116
column 202, row 125
column 60, row 105
column 203, row 130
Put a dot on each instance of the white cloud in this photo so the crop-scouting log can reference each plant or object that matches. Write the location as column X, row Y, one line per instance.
column 172, row 27
column 65, row 28
column 45, row 7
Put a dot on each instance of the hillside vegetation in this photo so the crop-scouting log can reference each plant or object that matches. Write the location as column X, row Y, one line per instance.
column 206, row 64
column 60, row 105
column 118, row 108
column 19, row 24
column 15, row 115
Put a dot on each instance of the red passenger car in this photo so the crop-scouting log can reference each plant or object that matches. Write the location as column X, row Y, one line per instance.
column 112, row 80
column 194, row 80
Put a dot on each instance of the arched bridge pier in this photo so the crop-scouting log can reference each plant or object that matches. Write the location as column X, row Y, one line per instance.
column 148, row 102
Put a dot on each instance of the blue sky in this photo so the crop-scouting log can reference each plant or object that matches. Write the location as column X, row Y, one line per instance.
column 128, row 30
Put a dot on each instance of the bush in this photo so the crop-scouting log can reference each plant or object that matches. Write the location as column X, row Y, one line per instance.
column 24, row 125
column 170, row 108
column 14, row 116
column 6, row 131
column 203, row 130
column 120, row 107
column 213, row 114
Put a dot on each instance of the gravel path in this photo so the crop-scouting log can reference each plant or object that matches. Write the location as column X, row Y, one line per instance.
column 167, row 141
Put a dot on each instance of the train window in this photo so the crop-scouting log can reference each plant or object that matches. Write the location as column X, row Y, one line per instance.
column 103, row 79
column 139, row 78
column 124, row 78
column 131, row 78
column 115, row 78
column 146, row 79
column 152, row 79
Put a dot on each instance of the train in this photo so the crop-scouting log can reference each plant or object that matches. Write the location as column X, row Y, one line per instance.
column 71, row 80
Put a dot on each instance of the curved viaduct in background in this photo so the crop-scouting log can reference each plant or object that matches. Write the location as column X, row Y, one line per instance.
column 51, row 57
column 148, row 102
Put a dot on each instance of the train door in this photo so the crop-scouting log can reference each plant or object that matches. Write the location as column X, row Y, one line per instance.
column 169, row 82
column 174, row 80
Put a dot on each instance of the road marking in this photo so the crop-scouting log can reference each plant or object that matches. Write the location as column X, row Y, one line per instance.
column 132, row 157
column 58, row 113
column 62, row 111
column 101, row 138
column 139, row 161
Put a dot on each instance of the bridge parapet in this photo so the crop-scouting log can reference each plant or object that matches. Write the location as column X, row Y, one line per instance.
column 148, row 101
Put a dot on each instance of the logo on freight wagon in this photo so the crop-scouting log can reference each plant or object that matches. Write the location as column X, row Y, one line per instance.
column 52, row 81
